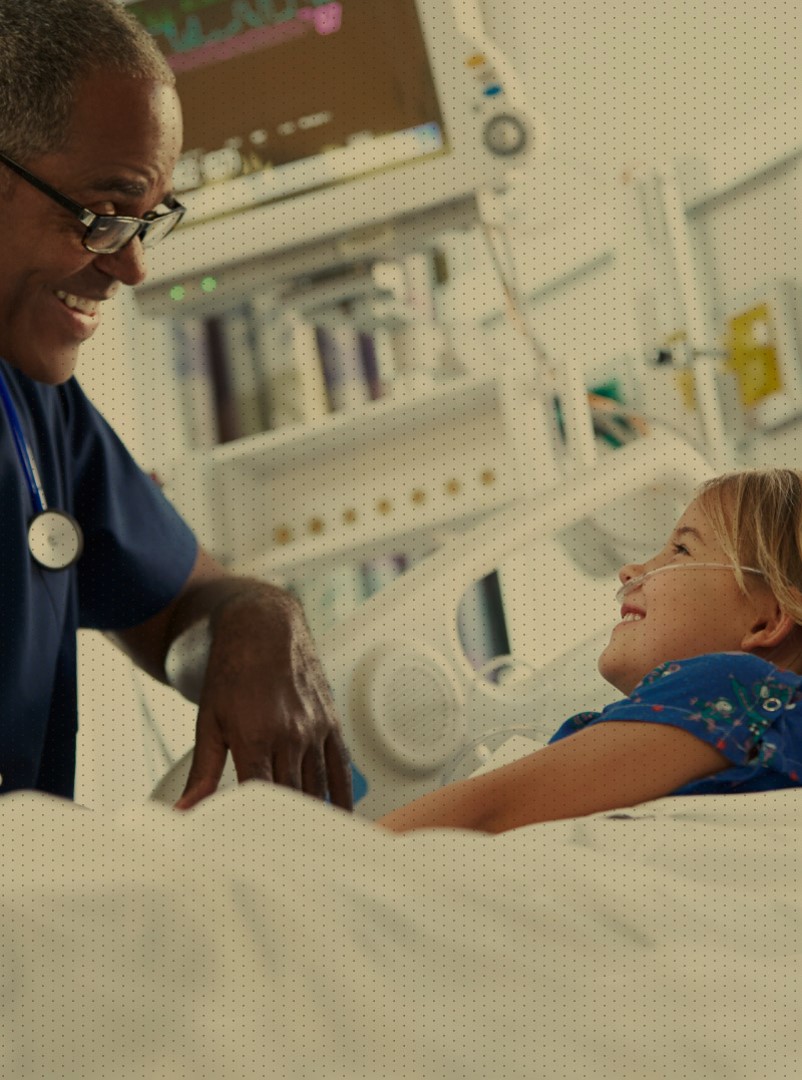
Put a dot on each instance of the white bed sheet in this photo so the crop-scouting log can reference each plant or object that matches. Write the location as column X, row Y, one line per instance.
column 265, row 934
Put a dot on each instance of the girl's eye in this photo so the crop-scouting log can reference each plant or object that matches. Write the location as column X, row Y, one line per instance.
column 680, row 549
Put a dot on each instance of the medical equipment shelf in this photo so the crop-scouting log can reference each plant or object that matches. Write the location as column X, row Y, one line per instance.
column 354, row 484
column 377, row 420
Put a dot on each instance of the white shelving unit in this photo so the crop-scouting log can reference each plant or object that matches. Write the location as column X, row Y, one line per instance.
column 394, row 475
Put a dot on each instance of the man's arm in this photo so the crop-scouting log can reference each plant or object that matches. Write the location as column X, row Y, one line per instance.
column 604, row 767
column 147, row 644
column 264, row 696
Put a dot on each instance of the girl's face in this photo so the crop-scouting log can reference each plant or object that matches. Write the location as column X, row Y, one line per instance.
column 680, row 613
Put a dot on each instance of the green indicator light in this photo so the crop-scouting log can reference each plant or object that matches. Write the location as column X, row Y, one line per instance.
column 209, row 284
column 178, row 292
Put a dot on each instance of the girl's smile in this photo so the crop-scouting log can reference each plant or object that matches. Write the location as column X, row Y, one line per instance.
column 671, row 614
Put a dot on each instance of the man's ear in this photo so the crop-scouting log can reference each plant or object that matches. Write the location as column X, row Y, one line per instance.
column 768, row 631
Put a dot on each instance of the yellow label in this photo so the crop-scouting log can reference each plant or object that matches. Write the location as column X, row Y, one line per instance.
column 686, row 384
column 753, row 354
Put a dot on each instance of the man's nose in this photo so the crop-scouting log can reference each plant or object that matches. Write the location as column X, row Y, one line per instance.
column 126, row 265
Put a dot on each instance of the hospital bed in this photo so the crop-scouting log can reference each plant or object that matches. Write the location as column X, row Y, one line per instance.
column 268, row 934
column 413, row 708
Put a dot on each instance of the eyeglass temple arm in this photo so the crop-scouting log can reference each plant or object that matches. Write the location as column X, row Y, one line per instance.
column 86, row 216
column 171, row 202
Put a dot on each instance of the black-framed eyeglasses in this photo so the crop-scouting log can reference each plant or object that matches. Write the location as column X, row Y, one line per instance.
column 108, row 233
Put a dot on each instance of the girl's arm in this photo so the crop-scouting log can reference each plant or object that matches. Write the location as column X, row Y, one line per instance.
column 604, row 767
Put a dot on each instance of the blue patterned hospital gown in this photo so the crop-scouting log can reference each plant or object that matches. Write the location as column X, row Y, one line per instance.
column 750, row 710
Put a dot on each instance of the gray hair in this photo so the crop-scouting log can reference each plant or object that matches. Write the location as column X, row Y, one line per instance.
column 46, row 46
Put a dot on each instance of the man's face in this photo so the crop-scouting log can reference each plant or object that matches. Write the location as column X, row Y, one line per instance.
column 124, row 140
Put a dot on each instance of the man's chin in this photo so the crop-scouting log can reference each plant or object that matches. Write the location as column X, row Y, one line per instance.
column 53, row 368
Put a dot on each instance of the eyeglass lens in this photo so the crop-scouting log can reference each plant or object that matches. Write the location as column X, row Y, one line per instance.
column 160, row 227
column 107, row 235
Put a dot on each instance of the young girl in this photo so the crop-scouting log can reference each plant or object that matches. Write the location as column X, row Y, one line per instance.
column 709, row 655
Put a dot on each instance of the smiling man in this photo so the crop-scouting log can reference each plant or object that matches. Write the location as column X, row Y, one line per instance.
column 122, row 140
column 90, row 131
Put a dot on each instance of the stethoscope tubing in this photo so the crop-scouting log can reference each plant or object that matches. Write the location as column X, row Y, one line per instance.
column 21, row 446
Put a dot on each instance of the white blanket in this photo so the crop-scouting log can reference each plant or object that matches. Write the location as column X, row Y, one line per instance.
column 265, row 934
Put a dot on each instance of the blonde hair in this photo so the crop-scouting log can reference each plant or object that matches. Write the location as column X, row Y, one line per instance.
column 46, row 47
column 756, row 516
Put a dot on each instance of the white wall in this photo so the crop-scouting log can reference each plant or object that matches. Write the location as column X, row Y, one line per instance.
column 630, row 81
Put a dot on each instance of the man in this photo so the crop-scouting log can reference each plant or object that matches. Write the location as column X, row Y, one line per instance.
column 90, row 131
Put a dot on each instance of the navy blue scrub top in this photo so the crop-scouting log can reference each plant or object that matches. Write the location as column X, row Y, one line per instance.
column 137, row 555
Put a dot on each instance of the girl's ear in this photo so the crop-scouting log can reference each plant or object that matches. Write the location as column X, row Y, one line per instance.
column 769, row 631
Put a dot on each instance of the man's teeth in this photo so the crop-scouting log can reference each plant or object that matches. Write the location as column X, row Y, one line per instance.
column 78, row 303
column 631, row 617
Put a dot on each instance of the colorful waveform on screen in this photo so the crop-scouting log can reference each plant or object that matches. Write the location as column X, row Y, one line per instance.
column 252, row 26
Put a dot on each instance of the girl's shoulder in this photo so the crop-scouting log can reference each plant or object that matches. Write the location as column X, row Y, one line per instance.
column 738, row 665
column 731, row 683
column 714, row 686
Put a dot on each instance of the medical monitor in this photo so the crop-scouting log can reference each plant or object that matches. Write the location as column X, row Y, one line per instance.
column 312, row 122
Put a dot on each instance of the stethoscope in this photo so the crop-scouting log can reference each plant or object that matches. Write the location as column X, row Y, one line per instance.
column 55, row 539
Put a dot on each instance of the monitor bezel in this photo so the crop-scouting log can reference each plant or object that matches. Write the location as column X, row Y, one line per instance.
column 367, row 202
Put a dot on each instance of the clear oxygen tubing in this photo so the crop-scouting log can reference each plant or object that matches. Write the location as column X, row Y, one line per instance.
column 633, row 583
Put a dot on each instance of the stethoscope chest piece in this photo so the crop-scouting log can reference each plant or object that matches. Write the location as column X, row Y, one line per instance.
column 55, row 539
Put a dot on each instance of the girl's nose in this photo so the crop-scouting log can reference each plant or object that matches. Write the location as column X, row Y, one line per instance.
column 630, row 571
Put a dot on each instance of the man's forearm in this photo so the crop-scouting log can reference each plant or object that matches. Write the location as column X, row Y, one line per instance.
column 209, row 590
column 209, row 599
column 201, row 614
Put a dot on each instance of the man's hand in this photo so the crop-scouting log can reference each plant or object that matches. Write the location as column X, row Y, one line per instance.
column 264, row 695
column 265, row 699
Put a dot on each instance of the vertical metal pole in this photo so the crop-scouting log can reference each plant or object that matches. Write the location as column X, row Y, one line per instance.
column 702, row 350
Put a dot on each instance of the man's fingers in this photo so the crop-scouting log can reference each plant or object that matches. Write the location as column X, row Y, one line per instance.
column 314, row 773
column 253, row 761
column 320, row 770
column 196, row 792
column 208, row 762
column 338, row 770
column 287, row 768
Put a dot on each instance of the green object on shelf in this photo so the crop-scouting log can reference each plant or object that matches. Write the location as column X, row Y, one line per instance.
column 612, row 390
column 615, row 429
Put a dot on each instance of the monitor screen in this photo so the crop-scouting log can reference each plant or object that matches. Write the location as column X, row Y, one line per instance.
column 282, row 97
